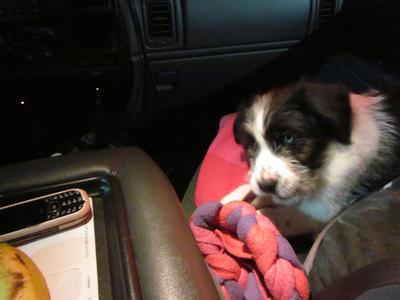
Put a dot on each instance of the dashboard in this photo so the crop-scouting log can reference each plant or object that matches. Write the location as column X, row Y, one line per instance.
column 209, row 44
column 67, row 67
column 187, row 45
column 40, row 35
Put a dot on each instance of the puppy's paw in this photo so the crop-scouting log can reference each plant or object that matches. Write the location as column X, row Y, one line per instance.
column 241, row 193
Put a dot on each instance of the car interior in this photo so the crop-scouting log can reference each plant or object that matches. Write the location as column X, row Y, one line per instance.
column 122, row 98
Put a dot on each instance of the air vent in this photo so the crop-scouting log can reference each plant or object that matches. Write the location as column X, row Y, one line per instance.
column 327, row 9
column 160, row 23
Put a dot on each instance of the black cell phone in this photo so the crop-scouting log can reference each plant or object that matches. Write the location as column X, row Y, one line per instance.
column 37, row 217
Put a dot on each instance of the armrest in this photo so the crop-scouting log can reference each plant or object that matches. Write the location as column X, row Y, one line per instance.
column 168, row 262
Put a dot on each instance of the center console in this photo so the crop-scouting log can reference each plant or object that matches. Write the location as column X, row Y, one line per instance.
column 145, row 249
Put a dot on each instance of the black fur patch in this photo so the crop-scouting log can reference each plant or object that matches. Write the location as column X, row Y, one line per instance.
column 242, row 136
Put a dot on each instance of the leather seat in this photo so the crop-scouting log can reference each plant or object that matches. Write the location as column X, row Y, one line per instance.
column 357, row 74
column 366, row 237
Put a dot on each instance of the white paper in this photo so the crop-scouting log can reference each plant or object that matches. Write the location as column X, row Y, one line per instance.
column 68, row 262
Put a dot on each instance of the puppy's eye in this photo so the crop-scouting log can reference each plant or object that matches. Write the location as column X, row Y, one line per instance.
column 288, row 139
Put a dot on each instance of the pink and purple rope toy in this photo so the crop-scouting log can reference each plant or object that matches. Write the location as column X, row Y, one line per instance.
column 246, row 254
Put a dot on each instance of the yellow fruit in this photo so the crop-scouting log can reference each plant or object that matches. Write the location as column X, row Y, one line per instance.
column 19, row 277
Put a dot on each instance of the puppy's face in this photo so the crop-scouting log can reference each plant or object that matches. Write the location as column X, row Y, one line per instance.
column 286, row 132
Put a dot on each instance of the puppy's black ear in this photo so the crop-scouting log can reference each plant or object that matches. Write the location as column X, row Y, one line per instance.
column 331, row 103
column 238, row 131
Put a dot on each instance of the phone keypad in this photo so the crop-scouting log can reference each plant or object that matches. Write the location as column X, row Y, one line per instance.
column 63, row 204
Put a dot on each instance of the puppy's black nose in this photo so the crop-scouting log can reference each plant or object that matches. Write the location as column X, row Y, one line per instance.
column 268, row 186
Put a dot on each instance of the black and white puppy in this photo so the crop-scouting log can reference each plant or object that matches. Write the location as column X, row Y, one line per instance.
column 317, row 146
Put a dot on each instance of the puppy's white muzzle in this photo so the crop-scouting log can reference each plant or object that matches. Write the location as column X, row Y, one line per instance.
column 271, row 174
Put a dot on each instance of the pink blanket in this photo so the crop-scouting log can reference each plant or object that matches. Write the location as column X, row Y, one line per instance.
column 224, row 167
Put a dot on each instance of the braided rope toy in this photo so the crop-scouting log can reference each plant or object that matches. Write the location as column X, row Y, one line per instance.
column 246, row 253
